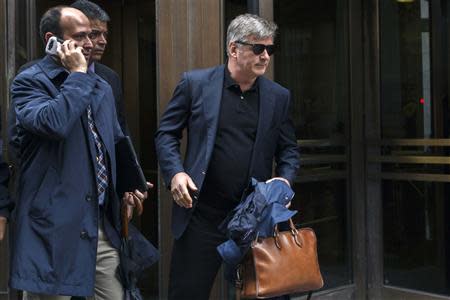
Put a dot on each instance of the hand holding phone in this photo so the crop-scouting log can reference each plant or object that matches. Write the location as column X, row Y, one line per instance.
column 71, row 55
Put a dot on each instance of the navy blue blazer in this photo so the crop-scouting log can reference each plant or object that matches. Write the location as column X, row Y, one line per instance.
column 195, row 105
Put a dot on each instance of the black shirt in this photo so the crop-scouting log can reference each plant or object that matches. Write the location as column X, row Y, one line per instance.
column 228, row 171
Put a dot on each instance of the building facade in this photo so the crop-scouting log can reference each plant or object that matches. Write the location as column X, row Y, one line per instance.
column 370, row 81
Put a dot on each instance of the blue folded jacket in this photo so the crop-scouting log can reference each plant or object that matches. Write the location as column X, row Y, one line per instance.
column 254, row 217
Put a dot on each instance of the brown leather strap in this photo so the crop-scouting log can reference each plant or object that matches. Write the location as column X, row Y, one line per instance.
column 291, row 224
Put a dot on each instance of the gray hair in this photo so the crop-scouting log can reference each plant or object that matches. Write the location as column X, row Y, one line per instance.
column 246, row 25
column 91, row 10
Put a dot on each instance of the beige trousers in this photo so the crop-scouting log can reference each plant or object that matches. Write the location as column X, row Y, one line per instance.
column 107, row 285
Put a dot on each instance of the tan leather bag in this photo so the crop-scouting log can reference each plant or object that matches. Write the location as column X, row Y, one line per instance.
column 286, row 263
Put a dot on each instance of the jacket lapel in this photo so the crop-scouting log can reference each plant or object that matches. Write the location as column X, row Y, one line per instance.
column 211, row 102
column 99, row 94
column 266, row 109
column 100, row 98
column 90, row 139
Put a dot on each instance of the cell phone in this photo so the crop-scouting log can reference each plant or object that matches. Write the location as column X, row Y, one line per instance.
column 53, row 44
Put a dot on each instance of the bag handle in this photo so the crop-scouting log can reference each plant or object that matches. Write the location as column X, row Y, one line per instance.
column 239, row 281
column 294, row 233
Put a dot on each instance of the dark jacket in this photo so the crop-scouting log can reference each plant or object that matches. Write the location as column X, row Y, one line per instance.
column 6, row 204
column 111, row 77
column 55, row 222
column 195, row 105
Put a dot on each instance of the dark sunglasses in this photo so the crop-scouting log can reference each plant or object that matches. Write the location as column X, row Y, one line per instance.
column 259, row 48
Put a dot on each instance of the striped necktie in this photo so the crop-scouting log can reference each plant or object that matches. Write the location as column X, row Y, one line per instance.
column 102, row 175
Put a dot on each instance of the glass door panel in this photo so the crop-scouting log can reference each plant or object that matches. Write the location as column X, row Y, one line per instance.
column 414, row 146
column 312, row 61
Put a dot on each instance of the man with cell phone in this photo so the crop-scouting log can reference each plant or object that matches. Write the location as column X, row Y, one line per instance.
column 99, row 19
column 66, row 222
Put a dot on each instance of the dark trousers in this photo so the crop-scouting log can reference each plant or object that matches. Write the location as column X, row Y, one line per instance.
column 195, row 260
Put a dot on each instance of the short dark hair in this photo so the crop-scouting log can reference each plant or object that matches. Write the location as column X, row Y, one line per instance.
column 50, row 22
column 91, row 10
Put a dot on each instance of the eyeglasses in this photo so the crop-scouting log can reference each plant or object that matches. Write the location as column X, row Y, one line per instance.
column 259, row 48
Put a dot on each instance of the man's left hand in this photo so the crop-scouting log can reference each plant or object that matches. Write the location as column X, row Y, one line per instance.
column 134, row 200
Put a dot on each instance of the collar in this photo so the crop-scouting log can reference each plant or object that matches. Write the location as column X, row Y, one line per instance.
column 231, row 83
column 51, row 68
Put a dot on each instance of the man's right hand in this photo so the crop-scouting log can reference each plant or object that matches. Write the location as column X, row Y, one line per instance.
column 3, row 222
column 72, row 57
column 180, row 186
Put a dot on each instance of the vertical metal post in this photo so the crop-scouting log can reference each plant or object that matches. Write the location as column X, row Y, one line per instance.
column 253, row 7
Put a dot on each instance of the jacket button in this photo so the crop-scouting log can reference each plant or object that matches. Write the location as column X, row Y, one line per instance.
column 88, row 198
column 203, row 172
column 83, row 235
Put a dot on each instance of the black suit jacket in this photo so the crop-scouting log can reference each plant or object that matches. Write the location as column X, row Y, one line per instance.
column 195, row 105
column 111, row 77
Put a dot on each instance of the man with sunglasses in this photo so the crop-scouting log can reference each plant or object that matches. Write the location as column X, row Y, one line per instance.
column 237, row 123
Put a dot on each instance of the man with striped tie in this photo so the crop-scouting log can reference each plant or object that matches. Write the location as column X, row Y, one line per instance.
column 67, row 219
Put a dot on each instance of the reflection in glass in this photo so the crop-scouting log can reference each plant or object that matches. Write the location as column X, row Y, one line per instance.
column 311, row 61
column 416, row 241
column 416, row 214
column 405, row 70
